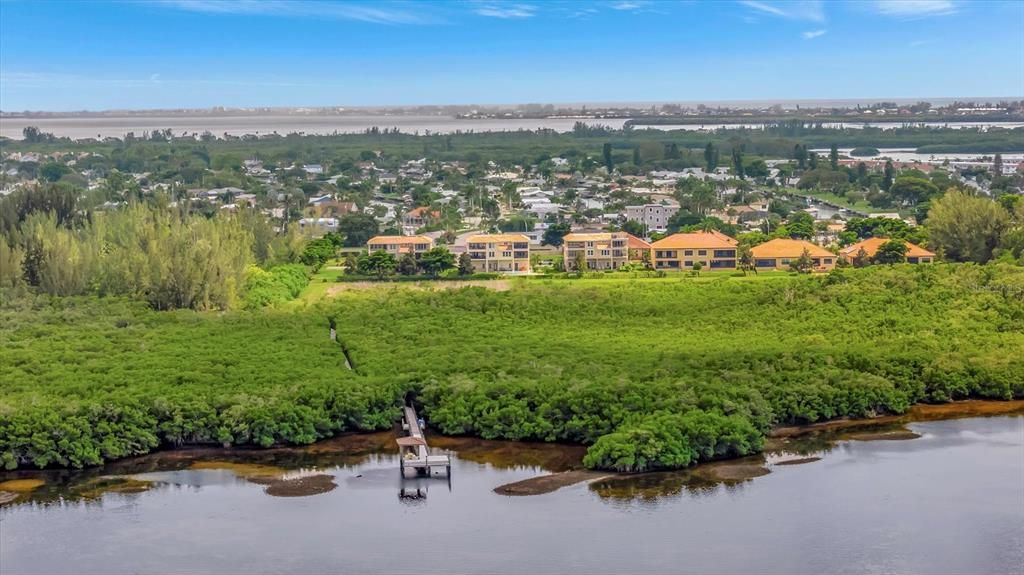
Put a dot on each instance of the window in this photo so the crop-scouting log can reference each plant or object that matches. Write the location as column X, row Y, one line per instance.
column 519, row 246
column 522, row 255
column 702, row 253
column 688, row 253
column 506, row 254
column 785, row 261
column 606, row 253
column 828, row 261
column 764, row 263
column 673, row 263
column 476, row 255
column 725, row 253
column 688, row 263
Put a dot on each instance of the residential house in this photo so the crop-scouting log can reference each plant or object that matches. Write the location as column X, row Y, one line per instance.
column 601, row 251
column 654, row 217
column 313, row 169
column 638, row 248
column 419, row 217
column 316, row 227
column 712, row 249
column 499, row 252
column 779, row 253
column 400, row 245
column 915, row 253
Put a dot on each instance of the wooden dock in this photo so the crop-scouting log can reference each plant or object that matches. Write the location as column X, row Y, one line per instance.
column 414, row 453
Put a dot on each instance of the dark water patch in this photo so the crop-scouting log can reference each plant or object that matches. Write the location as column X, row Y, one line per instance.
column 556, row 457
column 797, row 461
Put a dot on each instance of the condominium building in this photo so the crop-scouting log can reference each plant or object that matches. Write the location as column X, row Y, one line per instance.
column 654, row 217
column 400, row 245
column 499, row 252
column 602, row 250
column 915, row 253
column 712, row 249
column 779, row 253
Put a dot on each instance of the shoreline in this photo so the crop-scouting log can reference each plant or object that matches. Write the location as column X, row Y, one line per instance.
column 743, row 468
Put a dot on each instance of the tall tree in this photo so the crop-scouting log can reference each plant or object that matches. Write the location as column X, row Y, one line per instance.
column 636, row 156
column 737, row 162
column 358, row 228
column 833, row 157
column 437, row 260
column 800, row 155
column 891, row 252
column 966, row 228
column 606, row 151
column 888, row 175
column 711, row 157
column 465, row 264
column 407, row 265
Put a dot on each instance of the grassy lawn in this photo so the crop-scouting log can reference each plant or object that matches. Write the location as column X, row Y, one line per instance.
column 842, row 201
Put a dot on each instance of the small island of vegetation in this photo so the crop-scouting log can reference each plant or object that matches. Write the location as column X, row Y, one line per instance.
column 864, row 151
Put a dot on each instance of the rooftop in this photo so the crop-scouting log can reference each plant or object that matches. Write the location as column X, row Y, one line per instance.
column 787, row 248
column 710, row 239
column 400, row 240
column 871, row 246
column 495, row 238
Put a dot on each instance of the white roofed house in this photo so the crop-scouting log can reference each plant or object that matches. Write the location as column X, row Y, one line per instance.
column 313, row 169
column 316, row 227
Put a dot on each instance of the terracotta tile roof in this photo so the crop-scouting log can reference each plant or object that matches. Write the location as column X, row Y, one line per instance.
column 588, row 237
column 871, row 246
column 787, row 248
column 423, row 211
column 496, row 238
column 399, row 240
column 635, row 243
column 712, row 239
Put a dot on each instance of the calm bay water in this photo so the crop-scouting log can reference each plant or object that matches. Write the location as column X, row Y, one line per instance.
column 118, row 126
column 114, row 126
column 948, row 502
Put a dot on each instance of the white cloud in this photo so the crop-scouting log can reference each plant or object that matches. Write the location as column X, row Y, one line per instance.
column 811, row 10
column 507, row 11
column 628, row 5
column 379, row 13
column 812, row 34
column 915, row 8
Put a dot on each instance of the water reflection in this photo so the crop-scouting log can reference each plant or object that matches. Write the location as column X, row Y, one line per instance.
column 897, row 503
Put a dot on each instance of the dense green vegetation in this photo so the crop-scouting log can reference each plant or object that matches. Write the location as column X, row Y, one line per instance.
column 653, row 373
column 84, row 380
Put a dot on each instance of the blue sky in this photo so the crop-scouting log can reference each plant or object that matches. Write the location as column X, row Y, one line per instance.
column 202, row 53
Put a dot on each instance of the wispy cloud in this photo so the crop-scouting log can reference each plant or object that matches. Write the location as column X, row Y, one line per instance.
column 915, row 8
column 811, row 10
column 377, row 13
column 919, row 43
column 507, row 11
column 629, row 5
column 812, row 34
column 583, row 13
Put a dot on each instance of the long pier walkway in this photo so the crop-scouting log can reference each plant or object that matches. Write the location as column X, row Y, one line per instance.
column 413, row 449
